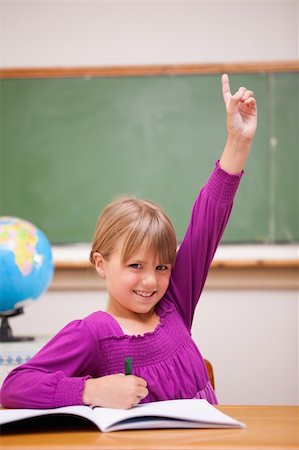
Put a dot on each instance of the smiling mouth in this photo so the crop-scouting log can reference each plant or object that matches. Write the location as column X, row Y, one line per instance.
column 145, row 294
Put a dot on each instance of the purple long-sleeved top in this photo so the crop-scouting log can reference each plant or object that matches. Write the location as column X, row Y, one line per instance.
column 166, row 358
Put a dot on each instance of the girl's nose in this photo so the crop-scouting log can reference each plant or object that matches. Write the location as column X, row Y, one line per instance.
column 149, row 280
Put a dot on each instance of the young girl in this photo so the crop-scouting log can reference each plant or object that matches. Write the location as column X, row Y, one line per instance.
column 152, row 295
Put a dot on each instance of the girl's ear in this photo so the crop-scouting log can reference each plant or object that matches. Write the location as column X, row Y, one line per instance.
column 99, row 263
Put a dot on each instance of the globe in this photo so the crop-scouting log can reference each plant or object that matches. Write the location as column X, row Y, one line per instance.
column 26, row 264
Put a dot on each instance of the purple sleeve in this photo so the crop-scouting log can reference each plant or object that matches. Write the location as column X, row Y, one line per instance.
column 209, row 217
column 56, row 375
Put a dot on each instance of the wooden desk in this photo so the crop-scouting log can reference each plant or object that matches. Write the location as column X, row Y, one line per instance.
column 268, row 427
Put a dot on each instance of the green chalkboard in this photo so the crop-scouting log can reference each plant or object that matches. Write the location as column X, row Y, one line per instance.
column 68, row 146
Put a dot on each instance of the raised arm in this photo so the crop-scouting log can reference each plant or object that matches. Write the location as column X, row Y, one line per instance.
column 213, row 206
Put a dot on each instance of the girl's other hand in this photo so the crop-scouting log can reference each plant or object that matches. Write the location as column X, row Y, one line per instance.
column 115, row 391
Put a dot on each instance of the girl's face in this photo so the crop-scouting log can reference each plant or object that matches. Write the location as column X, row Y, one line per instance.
column 135, row 286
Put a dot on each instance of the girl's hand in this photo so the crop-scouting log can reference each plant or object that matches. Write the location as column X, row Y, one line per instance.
column 115, row 391
column 241, row 111
column 241, row 122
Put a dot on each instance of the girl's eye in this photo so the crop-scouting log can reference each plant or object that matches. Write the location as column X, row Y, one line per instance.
column 135, row 266
column 162, row 267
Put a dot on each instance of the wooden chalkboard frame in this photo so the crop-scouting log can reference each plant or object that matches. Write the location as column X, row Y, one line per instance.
column 153, row 70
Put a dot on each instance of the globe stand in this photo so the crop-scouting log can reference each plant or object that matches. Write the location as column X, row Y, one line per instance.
column 6, row 334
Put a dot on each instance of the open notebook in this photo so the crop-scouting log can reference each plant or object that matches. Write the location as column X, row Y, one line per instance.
column 189, row 413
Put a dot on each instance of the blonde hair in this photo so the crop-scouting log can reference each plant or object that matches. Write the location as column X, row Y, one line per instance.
column 135, row 222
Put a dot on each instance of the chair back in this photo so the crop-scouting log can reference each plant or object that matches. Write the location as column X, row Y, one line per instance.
column 210, row 372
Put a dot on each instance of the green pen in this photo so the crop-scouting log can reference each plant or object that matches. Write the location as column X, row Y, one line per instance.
column 128, row 366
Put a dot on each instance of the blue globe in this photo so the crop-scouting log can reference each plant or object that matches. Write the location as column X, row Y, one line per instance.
column 26, row 263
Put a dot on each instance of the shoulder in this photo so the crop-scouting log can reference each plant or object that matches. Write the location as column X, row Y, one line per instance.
column 92, row 327
column 101, row 324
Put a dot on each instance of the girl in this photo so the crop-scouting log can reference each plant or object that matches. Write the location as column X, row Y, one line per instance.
column 152, row 295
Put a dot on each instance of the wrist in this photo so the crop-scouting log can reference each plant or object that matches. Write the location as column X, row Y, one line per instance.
column 235, row 154
column 87, row 392
column 238, row 143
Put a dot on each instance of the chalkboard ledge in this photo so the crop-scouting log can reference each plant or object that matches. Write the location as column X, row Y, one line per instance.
column 234, row 267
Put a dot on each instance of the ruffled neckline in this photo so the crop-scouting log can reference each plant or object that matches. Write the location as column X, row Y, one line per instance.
column 163, row 309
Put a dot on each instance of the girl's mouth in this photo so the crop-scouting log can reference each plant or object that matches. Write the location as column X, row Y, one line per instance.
column 144, row 294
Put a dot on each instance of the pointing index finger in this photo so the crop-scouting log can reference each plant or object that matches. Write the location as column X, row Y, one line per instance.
column 226, row 92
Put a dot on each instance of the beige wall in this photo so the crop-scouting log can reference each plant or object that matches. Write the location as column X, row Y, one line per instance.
column 84, row 33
